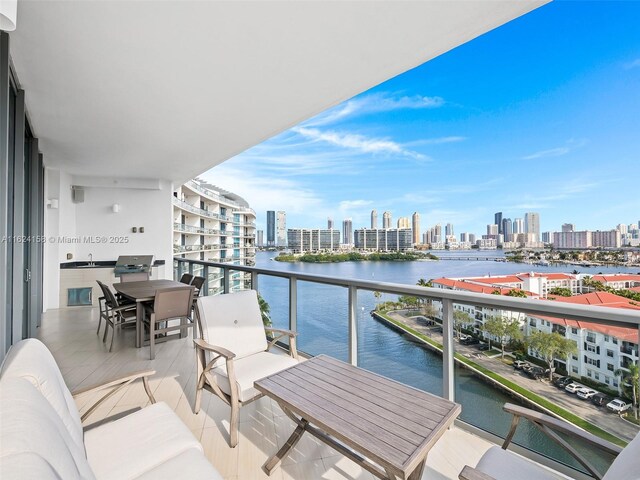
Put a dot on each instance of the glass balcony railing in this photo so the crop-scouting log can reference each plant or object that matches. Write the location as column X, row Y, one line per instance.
column 206, row 213
column 181, row 227
column 196, row 248
column 219, row 198
column 426, row 343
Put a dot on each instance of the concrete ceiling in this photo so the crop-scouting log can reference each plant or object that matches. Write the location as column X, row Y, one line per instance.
column 170, row 89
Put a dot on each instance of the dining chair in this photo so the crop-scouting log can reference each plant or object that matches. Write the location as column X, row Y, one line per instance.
column 114, row 313
column 134, row 277
column 186, row 278
column 171, row 305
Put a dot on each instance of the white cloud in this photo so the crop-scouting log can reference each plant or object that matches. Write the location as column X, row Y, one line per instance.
column 633, row 64
column 552, row 152
column 375, row 103
column 358, row 142
column 347, row 205
column 436, row 141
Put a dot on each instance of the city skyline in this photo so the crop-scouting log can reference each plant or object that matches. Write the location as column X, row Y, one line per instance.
column 547, row 124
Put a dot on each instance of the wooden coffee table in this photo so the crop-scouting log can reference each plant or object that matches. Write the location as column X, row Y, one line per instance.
column 385, row 426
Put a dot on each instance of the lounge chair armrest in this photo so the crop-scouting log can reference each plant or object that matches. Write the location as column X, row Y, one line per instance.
column 112, row 387
column 562, row 426
column 289, row 333
column 202, row 345
column 469, row 473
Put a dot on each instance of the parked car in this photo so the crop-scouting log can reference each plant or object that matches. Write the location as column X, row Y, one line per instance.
column 562, row 382
column 600, row 399
column 470, row 341
column 463, row 337
column 586, row 393
column 573, row 387
column 618, row 405
column 483, row 347
column 536, row 372
column 519, row 364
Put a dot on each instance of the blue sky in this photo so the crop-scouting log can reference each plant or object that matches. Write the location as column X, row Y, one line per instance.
column 541, row 114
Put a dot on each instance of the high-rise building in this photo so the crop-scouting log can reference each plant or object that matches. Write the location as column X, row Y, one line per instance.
column 518, row 226
column 374, row 219
column 532, row 225
column 415, row 225
column 271, row 228
column 329, row 223
column 472, row 238
column 313, row 240
column 260, row 238
column 448, row 230
column 403, row 222
column 497, row 219
column 507, row 229
column 622, row 228
column 572, row 239
column 212, row 224
column 492, row 230
column 386, row 220
column 547, row 237
column 606, row 239
column 464, row 237
column 383, row 239
column 281, row 229
column 347, row 231
column 568, row 227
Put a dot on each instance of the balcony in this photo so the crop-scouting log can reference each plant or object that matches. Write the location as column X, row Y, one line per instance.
column 197, row 248
column 181, row 227
column 70, row 334
column 629, row 350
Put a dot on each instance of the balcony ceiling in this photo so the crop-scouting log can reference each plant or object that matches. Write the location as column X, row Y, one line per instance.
column 170, row 89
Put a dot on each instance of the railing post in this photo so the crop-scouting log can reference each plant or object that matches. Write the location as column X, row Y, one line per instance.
column 293, row 304
column 254, row 281
column 226, row 279
column 353, row 325
column 205, row 273
column 448, row 384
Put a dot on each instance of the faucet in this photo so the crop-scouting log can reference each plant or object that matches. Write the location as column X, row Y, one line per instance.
column 91, row 264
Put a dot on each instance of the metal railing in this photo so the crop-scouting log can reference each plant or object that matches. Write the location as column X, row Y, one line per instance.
column 219, row 198
column 605, row 315
column 181, row 227
column 196, row 248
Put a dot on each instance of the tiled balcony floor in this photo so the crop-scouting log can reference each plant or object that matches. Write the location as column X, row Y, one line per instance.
column 85, row 360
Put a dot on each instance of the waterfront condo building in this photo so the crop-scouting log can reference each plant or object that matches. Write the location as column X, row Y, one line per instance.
column 281, row 229
column 271, row 228
column 214, row 225
column 415, row 226
column 308, row 240
column 386, row 220
column 347, row 232
column 374, row 218
column 383, row 239
column 532, row 225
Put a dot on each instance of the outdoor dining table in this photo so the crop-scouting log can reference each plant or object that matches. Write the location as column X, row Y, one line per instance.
column 384, row 426
column 140, row 292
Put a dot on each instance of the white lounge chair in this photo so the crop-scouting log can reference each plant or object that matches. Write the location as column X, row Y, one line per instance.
column 42, row 436
column 233, row 351
column 500, row 464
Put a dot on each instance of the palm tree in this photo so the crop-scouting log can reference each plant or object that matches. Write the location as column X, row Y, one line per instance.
column 631, row 376
column 264, row 311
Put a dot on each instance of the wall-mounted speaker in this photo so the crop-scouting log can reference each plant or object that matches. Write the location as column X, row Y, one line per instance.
column 77, row 194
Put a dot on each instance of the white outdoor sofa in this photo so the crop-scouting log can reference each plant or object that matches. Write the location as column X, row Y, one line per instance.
column 42, row 435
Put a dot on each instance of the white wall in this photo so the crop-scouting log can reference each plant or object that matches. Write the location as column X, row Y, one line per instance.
column 94, row 228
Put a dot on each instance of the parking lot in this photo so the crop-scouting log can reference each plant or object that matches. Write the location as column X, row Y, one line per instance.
column 599, row 416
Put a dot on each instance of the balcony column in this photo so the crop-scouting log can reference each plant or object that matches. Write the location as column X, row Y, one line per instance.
column 226, row 280
column 353, row 325
column 448, row 384
column 254, row 281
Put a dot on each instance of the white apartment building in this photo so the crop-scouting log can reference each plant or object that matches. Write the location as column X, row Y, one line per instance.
column 572, row 239
column 381, row 239
column 212, row 224
column 281, row 229
column 601, row 349
column 302, row 240
column 618, row 280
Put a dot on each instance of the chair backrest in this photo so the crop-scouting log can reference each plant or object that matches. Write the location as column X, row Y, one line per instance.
column 174, row 302
column 232, row 321
column 35, row 442
column 109, row 297
column 626, row 466
column 134, row 277
column 30, row 359
column 197, row 282
column 186, row 278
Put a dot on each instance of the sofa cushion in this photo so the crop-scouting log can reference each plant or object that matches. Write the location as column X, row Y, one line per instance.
column 30, row 359
column 189, row 461
column 35, row 442
column 233, row 321
column 135, row 444
column 626, row 466
column 249, row 369
column 505, row 465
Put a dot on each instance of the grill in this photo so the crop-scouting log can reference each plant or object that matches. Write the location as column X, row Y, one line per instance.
column 133, row 264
